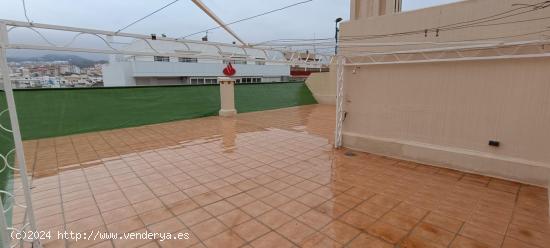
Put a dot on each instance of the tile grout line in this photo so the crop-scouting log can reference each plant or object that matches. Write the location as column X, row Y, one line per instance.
column 351, row 209
column 126, row 197
column 91, row 191
column 513, row 215
column 93, row 197
column 382, row 216
column 457, row 233
column 292, row 218
column 257, row 199
column 146, row 185
column 58, row 175
column 163, row 204
column 332, row 219
column 414, row 227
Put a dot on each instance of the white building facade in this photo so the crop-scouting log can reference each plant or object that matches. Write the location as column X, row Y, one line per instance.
column 200, row 63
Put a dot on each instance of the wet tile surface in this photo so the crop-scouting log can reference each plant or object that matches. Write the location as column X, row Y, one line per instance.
column 269, row 179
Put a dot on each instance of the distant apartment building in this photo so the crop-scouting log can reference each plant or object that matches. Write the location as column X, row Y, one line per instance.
column 57, row 74
column 69, row 69
column 71, row 81
column 252, row 65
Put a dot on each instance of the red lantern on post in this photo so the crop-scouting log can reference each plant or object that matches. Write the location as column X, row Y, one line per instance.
column 229, row 70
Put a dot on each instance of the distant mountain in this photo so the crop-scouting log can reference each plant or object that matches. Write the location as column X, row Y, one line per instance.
column 72, row 59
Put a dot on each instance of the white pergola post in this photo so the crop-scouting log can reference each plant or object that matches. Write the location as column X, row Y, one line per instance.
column 20, row 153
column 340, row 61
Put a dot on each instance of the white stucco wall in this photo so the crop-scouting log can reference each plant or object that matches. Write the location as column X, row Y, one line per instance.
column 118, row 74
column 323, row 86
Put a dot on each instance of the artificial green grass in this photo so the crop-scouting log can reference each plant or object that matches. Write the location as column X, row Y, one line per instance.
column 58, row 112
column 258, row 97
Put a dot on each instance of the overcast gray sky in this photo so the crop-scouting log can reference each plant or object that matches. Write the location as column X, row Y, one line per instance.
column 314, row 19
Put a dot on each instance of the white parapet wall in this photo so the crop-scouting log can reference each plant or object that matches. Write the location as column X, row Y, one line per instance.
column 323, row 86
column 445, row 114
column 118, row 74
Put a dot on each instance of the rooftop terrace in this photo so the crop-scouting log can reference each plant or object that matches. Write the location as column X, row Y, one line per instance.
column 268, row 179
column 446, row 85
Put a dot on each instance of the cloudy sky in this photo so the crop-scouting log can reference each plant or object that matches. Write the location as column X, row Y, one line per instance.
column 313, row 19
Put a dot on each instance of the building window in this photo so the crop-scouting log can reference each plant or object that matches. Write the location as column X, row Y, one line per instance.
column 239, row 62
column 210, row 81
column 260, row 61
column 250, row 80
column 200, row 81
column 236, row 60
column 196, row 81
column 162, row 59
column 187, row 60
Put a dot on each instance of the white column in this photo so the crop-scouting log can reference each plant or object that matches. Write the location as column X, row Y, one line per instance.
column 354, row 9
column 369, row 8
column 227, row 96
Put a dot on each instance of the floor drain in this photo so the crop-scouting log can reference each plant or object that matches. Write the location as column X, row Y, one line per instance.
column 349, row 154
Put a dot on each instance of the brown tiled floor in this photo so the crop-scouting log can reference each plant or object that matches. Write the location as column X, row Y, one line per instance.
column 269, row 179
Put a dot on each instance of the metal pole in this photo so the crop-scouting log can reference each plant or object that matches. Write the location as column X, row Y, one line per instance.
column 20, row 153
column 4, row 235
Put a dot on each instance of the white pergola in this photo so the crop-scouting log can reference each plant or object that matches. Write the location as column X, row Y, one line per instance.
column 107, row 37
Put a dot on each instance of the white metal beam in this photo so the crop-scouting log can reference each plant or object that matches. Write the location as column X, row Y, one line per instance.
column 134, row 53
column 219, row 21
column 455, row 48
column 104, row 35
column 542, row 55
column 104, row 32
